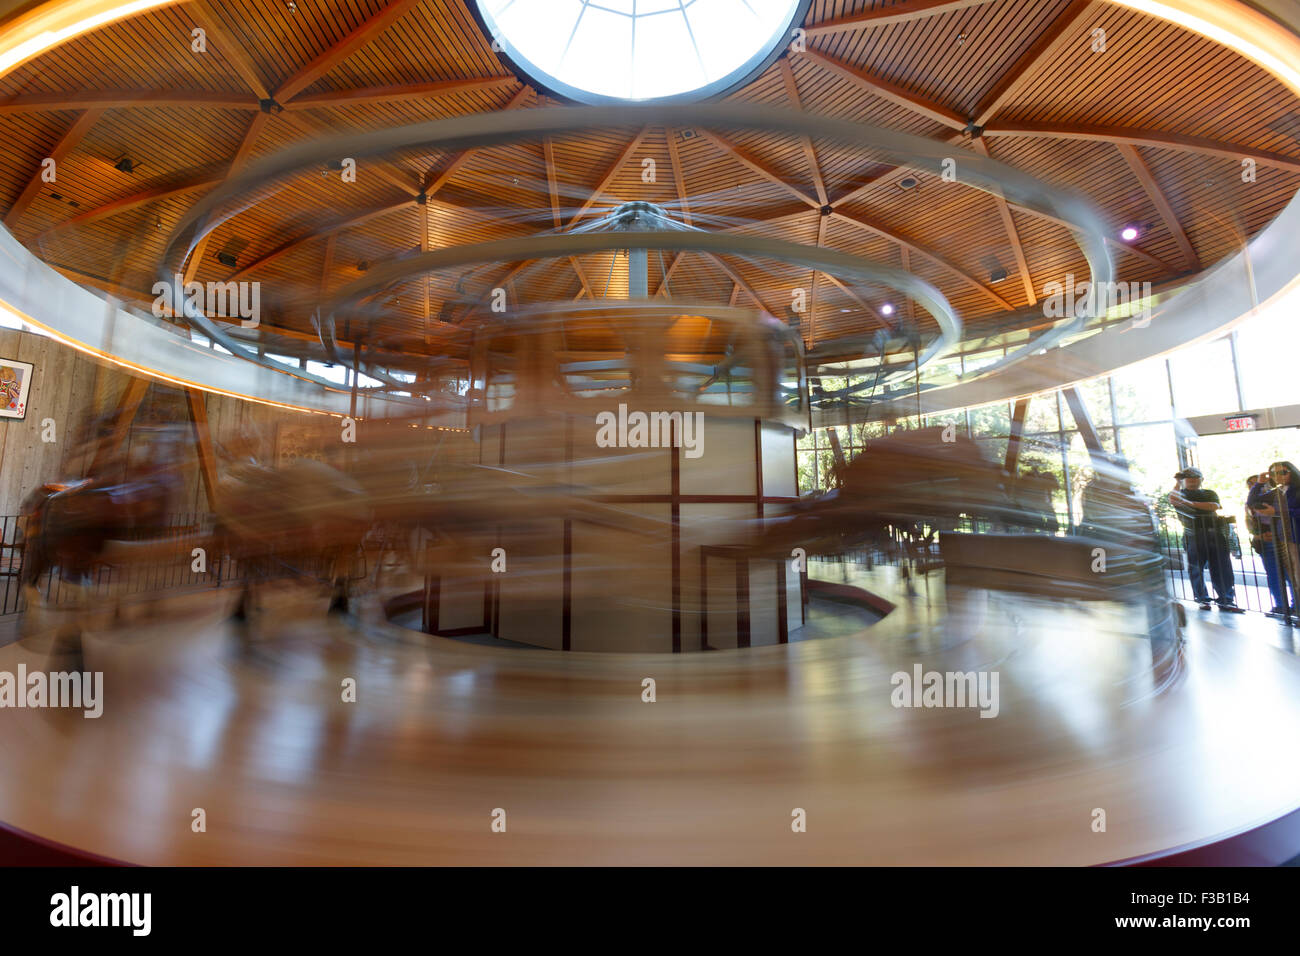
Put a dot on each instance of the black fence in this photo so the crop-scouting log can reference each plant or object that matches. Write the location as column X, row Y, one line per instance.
column 171, row 566
column 1247, row 571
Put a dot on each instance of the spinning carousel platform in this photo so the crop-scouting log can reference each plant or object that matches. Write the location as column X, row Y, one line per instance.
column 1188, row 750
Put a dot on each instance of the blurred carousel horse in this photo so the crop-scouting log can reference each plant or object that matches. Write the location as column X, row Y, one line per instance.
column 920, row 487
column 909, row 486
column 305, row 520
column 116, row 517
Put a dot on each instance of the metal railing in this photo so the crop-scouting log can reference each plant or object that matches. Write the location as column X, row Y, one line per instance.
column 1246, row 568
column 184, row 532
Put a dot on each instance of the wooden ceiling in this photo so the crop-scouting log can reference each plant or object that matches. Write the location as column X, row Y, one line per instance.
column 1153, row 130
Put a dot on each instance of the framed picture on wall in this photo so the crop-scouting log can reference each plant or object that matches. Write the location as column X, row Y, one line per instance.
column 15, row 382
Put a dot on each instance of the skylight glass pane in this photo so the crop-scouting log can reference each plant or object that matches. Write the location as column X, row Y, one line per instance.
column 598, row 50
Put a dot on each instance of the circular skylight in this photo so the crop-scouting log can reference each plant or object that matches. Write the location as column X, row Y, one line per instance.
column 595, row 51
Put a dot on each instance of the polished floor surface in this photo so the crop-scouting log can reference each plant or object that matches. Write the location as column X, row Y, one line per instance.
column 1177, row 745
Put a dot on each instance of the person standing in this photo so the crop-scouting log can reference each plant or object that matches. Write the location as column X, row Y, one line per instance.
column 1204, row 543
column 1260, row 527
column 1282, row 509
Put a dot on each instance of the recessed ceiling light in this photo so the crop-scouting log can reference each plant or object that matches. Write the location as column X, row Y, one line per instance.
column 1129, row 233
column 997, row 275
column 907, row 183
column 887, row 309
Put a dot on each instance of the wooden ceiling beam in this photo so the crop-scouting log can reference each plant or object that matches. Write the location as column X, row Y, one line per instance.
column 890, row 176
column 127, row 203
column 735, row 277
column 754, row 165
column 886, row 16
column 888, row 90
column 398, row 93
column 933, row 256
column 668, row 274
column 812, row 293
column 290, row 245
column 230, row 47
column 1156, row 140
column 432, row 183
column 610, row 174
column 68, row 142
column 852, row 294
column 552, row 187
column 390, row 173
column 327, row 59
column 1158, row 199
column 1023, row 73
column 582, row 277
column 809, row 153
column 124, row 99
column 1013, row 234
column 1115, row 243
column 679, row 176
column 242, row 152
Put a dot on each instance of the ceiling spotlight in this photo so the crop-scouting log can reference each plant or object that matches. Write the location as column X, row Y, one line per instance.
column 227, row 259
column 124, row 165
column 1129, row 233
column 362, row 266
column 291, row 6
column 886, row 309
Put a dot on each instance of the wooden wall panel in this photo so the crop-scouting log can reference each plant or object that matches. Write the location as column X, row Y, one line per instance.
column 71, row 389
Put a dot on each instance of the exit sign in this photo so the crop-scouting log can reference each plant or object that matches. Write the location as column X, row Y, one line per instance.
column 1242, row 423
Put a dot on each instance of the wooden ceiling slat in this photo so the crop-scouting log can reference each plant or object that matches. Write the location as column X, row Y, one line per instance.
column 1013, row 236
column 123, row 99
column 762, row 169
column 613, row 171
column 883, row 16
column 229, row 47
column 879, row 86
column 236, row 163
column 1137, row 137
column 390, row 94
column 1023, row 72
column 70, row 139
column 1157, row 197
column 132, row 201
column 928, row 253
column 327, row 59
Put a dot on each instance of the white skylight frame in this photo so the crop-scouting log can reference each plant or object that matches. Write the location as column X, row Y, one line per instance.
column 652, row 51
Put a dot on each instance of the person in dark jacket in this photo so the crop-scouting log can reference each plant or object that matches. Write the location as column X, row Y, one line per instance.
column 1203, row 541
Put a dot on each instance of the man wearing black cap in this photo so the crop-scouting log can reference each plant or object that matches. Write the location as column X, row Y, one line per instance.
column 1202, row 539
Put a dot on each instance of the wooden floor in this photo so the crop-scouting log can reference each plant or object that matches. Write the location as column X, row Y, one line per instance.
column 1178, row 746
